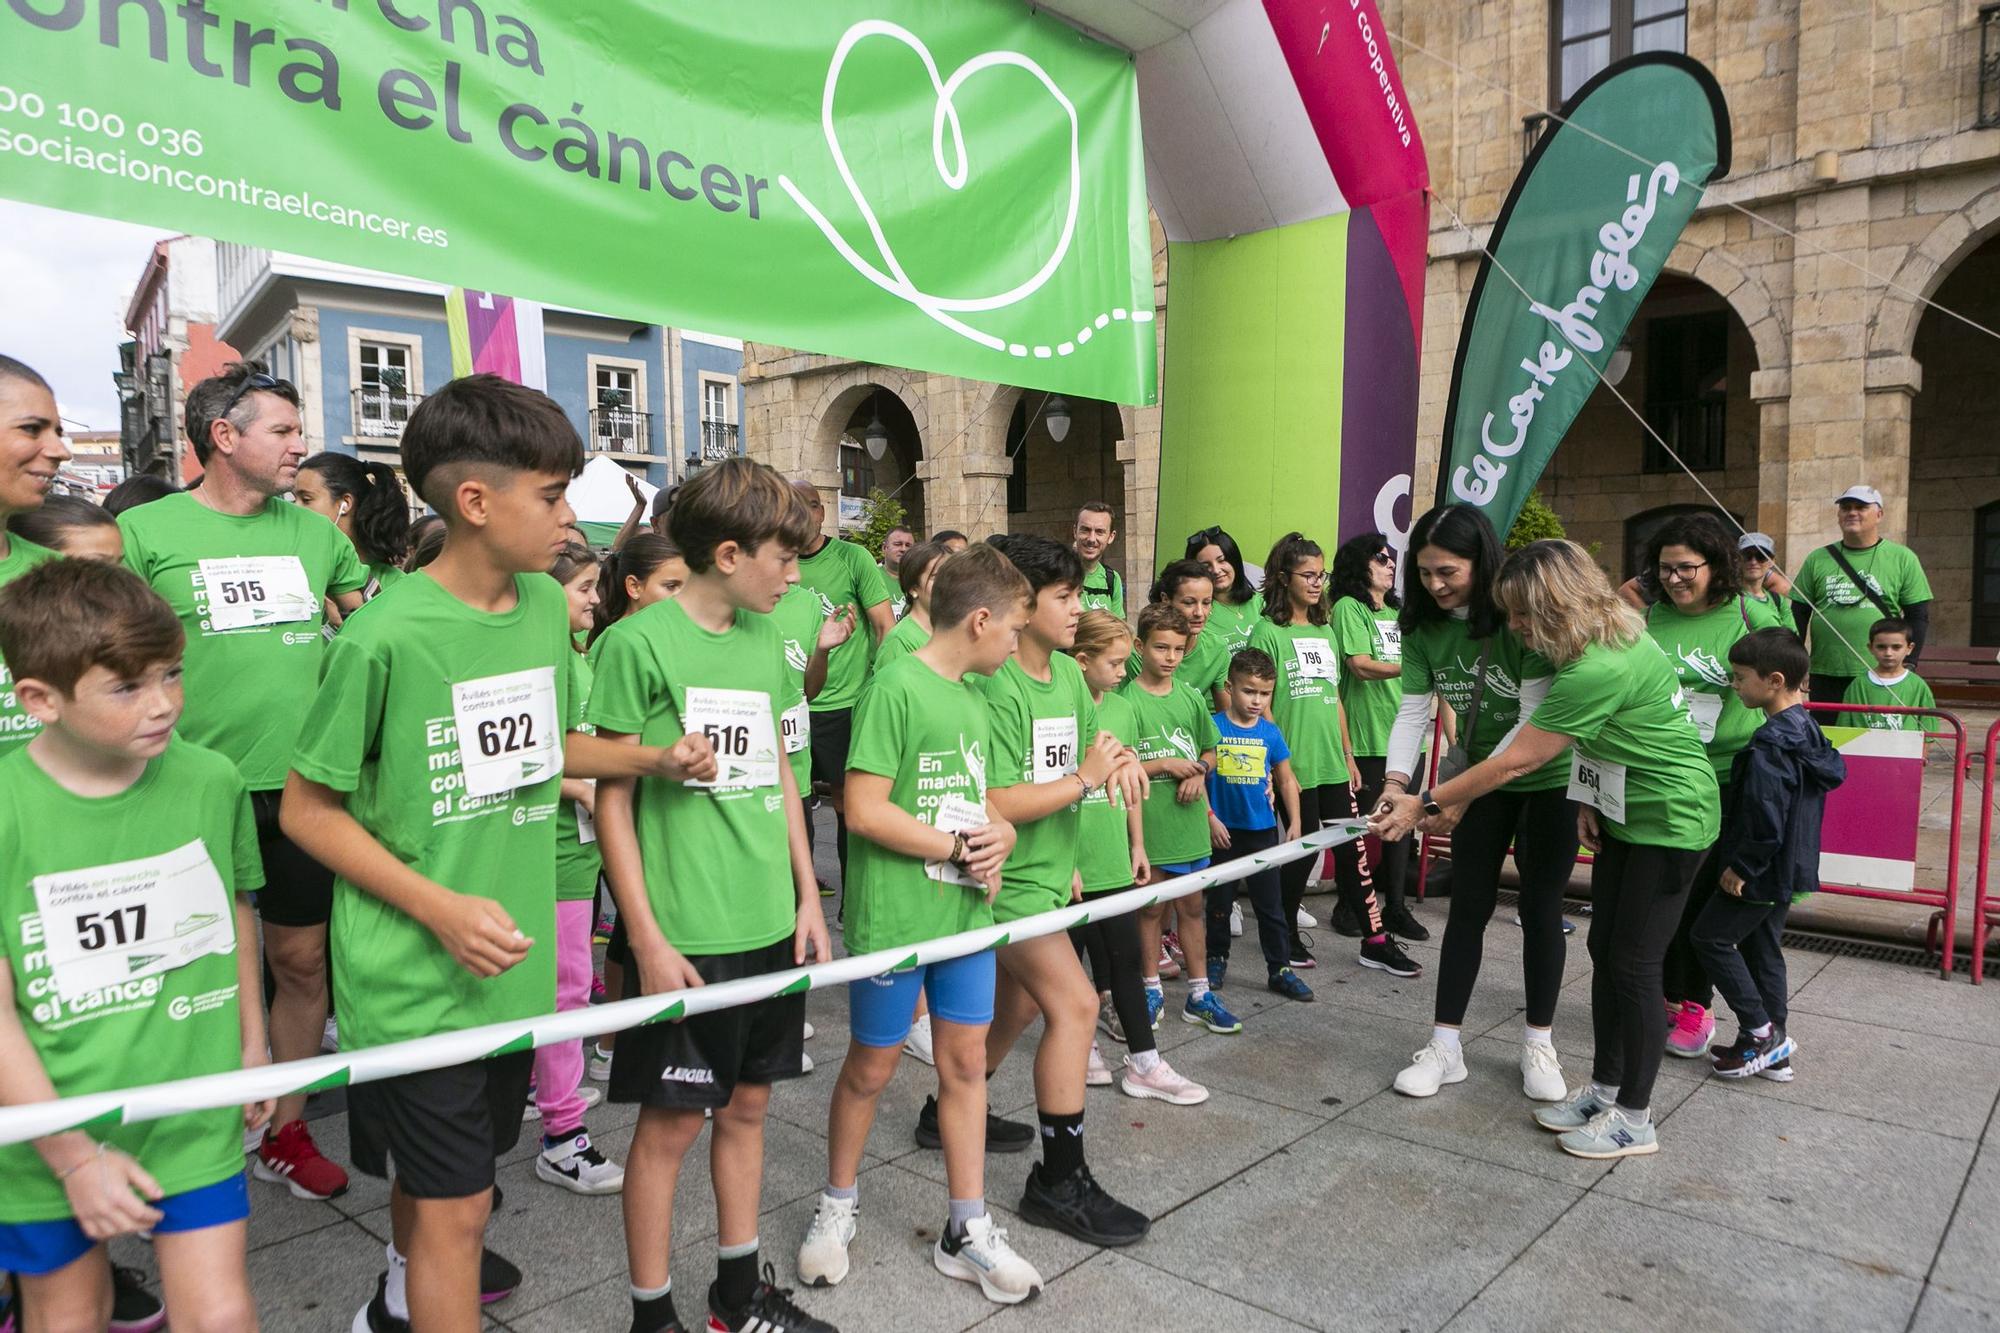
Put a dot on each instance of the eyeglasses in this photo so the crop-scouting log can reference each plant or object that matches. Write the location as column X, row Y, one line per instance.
column 1320, row 577
column 1683, row 573
column 1385, row 558
column 251, row 384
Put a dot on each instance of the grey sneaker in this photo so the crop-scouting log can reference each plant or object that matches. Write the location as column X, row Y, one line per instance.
column 1572, row 1112
column 1611, row 1134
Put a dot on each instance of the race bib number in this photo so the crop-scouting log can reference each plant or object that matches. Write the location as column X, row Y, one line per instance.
column 796, row 727
column 1390, row 635
column 257, row 590
column 586, row 824
column 955, row 814
column 1315, row 658
column 508, row 735
column 738, row 724
column 1055, row 749
column 1706, row 710
column 1599, row 783
column 111, row 924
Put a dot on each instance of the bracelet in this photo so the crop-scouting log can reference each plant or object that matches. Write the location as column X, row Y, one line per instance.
column 69, row 1171
column 1083, row 782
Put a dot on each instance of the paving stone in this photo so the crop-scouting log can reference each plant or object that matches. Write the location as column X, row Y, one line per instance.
column 1969, row 1260
column 1315, row 1058
column 1943, row 1311
column 1116, row 1289
column 1905, row 998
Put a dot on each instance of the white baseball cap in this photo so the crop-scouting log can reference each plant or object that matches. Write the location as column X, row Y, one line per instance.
column 1867, row 495
column 1756, row 541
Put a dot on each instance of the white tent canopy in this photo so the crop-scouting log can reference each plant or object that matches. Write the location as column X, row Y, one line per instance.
column 599, row 493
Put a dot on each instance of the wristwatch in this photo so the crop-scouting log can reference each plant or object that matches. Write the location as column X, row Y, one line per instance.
column 1431, row 807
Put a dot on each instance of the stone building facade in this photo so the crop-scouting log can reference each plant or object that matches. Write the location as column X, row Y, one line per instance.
column 1844, row 333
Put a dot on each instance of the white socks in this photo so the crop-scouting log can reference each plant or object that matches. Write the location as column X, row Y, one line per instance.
column 1531, row 1035
column 1445, row 1037
column 396, row 1291
column 1145, row 1062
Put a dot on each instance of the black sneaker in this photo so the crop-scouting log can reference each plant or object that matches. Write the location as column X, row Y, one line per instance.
column 1001, row 1135
column 498, row 1279
column 1302, row 957
column 1400, row 922
column 1385, row 955
column 1079, row 1207
column 133, row 1308
column 770, row 1311
column 1756, row 1054
column 375, row 1317
column 1345, row 923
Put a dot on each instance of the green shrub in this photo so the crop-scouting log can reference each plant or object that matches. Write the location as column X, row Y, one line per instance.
column 881, row 514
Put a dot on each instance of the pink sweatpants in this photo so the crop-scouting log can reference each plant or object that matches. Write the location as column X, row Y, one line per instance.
column 559, row 1068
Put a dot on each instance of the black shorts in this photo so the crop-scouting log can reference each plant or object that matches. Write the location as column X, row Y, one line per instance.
column 695, row 1064
column 832, row 734
column 298, row 891
column 442, row 1128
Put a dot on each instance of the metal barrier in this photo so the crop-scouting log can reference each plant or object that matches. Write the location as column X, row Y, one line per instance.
column 1982, row 904
column 1941, row 933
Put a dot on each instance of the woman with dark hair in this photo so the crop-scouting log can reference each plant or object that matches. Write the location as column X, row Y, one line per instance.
column 647, row 569
column 1371, row 644
column 1649, row 813
column 1456, row 647
column 1306, row 706
column 1701, row 615
column 1189, row 587
column 366, row 502
column 1237, row 603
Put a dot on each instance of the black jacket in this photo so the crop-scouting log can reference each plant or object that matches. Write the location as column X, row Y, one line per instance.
column 1781, row 780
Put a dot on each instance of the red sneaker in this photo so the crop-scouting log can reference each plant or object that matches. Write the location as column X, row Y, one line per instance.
column 290, row 1158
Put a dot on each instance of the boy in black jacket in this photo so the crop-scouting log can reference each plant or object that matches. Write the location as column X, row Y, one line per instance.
column 1769, row 851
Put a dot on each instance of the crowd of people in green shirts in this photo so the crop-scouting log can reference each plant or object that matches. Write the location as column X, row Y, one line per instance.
column 430, row 779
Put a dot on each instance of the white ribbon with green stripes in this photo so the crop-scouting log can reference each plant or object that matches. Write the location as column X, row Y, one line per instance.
column 239, row 1086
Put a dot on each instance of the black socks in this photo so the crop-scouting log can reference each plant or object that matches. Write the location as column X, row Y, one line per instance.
column 1062, row 1145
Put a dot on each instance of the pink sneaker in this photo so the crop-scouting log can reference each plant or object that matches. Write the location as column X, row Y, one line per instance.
column 1098, row 1075
column 1692, row 1030
column 1163, row 1083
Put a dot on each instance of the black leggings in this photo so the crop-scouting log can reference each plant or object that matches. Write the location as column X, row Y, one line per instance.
column 1637, row 892
column 1686, row 977
column 1322, row 805
column 1262, row 888
column 1112, row 946
column 1392, row 866
column 1541, row 828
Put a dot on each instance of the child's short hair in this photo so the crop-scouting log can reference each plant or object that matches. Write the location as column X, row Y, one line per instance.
column 1043, row 561
column 51, row 523
column 64, row 617
column 1253, row 664
column 910, row 574
column 1158, row 616
column 979, row 576
column 484, row 421
column 1891, row 625
column 571, row 561
column 950, row 535
column 737, row 500
column 1097, row 633
column 1774, row 651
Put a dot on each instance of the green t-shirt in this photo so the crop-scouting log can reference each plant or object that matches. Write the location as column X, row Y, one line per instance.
column 384, row 729
column 1442, row 657
column 1231, row 623
column 1371, row 704
column 1174, row 725
column 1697, row 647
column 1912, row 691
column 1845, row 612
column 579, row 860
column 381, row 577
column 1103, row 590
column 1039, row 734
column 893, row 585
column 16, row 727
column 1306, row 703
column 1768, row 612
column 140, row 1024
column 930, row 737
column 904, row 639
column 1103, row 842
column 843, row 575
column 246, row 685
column 1629, row 719
column 798, row 617
column 718, row 859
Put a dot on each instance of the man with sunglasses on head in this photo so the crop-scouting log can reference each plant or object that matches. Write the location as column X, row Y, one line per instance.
column 249, row 574
column 1844, row 587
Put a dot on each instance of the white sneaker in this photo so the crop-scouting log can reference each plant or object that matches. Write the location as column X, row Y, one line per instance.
column 823, row 1253
column 1163, row 1084
column 1541, row 1073
column 810, row 1033
column 598, row 1064
column 1307, row 921
column 1236, row 920
column 577, row 1166
column 805, row 1063
column 329, row 1036
column 253, row 1139
column 1098, row 1075
column 984, row 1256
column 1431, row 1068
column 918, row 1043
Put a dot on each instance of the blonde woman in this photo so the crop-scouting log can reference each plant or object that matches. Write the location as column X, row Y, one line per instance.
column 1649, row 810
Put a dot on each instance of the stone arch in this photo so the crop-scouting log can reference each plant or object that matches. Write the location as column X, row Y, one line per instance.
column 838, row 397
column 1744, row 292
column 1892, row 329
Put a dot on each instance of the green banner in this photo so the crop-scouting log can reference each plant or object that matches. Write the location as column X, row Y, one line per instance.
column 953, row 187
column 1589, row 224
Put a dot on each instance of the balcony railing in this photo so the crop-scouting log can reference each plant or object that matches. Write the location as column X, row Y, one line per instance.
column 718, row 440
column 621, row 430
column 1989, row 68
column 381, row 414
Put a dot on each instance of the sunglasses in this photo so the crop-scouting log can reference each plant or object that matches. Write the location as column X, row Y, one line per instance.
column 1384, row 558
column 251, row 384
column 1206, row 537
column 1757, row 553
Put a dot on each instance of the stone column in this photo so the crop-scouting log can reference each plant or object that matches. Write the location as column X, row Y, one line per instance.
column 1771, row 390
column 1828, row 412
column 1892, row 383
